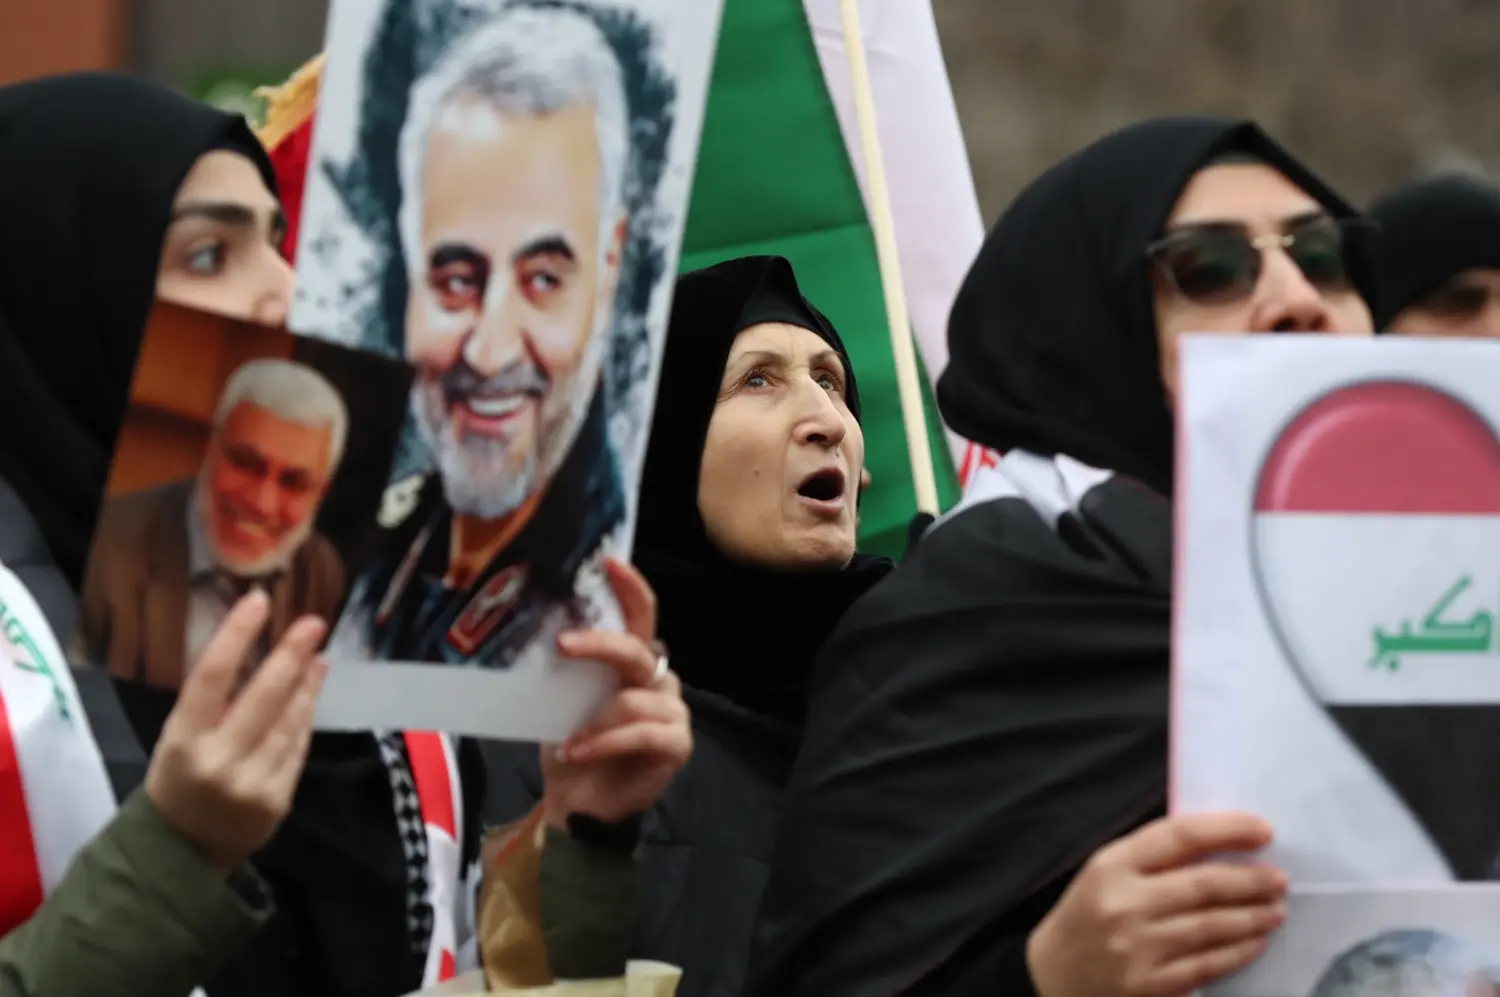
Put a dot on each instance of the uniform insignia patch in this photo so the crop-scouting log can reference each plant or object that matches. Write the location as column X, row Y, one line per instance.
column 487, row 610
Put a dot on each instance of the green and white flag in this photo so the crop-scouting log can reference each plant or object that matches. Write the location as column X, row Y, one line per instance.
column 780, row 171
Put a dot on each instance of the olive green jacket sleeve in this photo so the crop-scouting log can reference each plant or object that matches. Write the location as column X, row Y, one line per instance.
column 589, row 896
column 138, row 914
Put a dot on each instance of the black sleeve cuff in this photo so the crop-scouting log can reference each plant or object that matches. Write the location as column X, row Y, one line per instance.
column 617, row 836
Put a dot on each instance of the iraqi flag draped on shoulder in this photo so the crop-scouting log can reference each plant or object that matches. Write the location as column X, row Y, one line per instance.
column 780, row 171
column 54, row 791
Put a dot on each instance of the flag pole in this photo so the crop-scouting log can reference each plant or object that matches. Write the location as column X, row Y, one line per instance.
column 908, row 377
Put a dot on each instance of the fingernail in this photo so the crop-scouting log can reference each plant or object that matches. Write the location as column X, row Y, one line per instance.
column 568, row 640
column 560, row 752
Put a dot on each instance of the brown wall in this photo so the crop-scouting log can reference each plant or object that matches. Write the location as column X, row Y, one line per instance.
column 51, row 36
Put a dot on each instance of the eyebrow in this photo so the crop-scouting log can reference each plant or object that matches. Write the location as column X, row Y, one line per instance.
column 758, row 358
column 771, row 358
column 547, row 245
column 226, row 213
column 453, row 252
column 830, row 354
column 1286, row 223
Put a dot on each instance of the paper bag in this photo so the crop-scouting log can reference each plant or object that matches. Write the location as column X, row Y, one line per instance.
column 512, row 948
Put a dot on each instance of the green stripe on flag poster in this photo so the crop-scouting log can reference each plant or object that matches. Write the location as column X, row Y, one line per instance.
column 774, row 177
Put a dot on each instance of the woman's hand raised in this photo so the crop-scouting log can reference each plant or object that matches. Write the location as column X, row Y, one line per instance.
column 621, row 761
column 227, row 765
column 1147, row 916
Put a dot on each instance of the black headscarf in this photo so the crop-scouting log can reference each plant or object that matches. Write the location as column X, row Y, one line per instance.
column 1052, row 339
column 91, row 163
column 707, row 601
column 1432, row 230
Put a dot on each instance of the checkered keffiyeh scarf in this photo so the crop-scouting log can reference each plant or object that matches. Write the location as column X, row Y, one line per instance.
column 413, row 831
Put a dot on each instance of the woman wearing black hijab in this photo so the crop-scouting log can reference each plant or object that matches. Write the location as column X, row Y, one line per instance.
column 977, row 805
column 1440, row 258
column 117, row 191
column 746, row 532
column 92, row 163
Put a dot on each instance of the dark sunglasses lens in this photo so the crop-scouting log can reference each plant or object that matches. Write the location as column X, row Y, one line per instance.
column 1458, row 300
column 1213, row 267
column 1319, row 254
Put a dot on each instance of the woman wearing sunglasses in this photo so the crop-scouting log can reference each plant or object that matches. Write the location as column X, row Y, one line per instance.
column 1440, row 258
column 978, row 805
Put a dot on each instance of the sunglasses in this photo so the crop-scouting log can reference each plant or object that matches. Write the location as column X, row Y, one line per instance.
column 1220, row 263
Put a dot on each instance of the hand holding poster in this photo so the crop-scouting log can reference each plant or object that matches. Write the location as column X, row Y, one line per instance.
column 497, row 195
column 1336, row 667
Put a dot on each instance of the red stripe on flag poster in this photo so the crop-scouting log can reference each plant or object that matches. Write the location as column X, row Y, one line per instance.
column 20, row 878
column 1383, row 447
column 429, row 768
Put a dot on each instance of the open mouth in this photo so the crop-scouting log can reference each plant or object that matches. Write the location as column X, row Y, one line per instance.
column 823, row 486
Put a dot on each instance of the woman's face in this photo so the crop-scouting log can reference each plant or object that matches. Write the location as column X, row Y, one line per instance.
column 1234, row 219
column 784, row 455
column 222, row 251
column 1465, row 306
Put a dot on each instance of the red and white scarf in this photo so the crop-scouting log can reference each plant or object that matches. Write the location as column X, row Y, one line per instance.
column 434, row 769
column 55, row 794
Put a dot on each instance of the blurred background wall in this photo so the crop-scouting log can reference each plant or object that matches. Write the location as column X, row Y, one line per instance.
column 1370, row 91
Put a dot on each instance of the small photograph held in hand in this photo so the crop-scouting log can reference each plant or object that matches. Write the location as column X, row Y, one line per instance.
column 248, row 457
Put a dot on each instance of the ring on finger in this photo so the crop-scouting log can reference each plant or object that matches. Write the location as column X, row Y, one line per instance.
column 662, row 663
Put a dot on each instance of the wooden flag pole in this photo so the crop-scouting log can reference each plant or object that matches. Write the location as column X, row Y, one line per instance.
column 908, row 376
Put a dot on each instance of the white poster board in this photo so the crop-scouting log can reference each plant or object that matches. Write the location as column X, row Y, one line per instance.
column 496, row 196
column 1336, row 665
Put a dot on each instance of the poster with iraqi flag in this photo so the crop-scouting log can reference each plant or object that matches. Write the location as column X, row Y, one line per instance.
column 1337, row 663
column 1336, row 660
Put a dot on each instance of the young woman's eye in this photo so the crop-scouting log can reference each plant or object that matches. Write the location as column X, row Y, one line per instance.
column 207, row 261
column 830, row 382
column 757, row 379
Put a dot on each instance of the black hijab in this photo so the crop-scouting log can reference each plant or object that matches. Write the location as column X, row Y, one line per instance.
column 91, row 163
column 706, row 601
column 1432, row 230
column 1052, row 339
column 996, row 709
